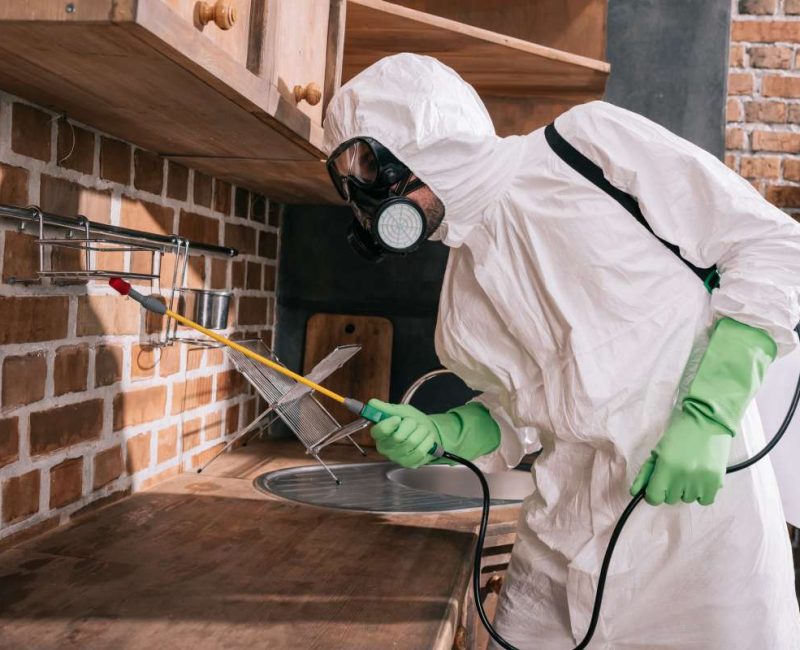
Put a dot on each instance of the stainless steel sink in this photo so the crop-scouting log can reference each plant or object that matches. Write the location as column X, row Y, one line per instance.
column 385, row 487
column 512, row 485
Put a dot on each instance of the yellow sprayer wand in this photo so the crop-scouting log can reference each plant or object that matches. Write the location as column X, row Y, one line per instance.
column 153, row 304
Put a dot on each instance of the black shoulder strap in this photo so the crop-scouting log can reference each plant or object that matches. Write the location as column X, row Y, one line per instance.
column 592, row 172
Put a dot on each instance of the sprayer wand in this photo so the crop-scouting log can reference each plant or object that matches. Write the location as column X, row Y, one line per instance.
column 153, row 304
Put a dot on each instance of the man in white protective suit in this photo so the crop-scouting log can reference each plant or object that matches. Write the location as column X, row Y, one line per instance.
column 597, row 340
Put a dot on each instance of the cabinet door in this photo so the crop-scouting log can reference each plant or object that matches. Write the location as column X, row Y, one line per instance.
column 296, row 44
column 226, row 23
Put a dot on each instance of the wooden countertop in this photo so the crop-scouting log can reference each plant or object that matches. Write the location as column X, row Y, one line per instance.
column 207, row 561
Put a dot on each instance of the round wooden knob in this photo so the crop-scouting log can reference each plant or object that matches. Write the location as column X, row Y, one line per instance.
column 222, row 14
column 311, row 93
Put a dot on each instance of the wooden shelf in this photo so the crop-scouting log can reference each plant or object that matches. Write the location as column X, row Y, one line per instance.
column 496, row 65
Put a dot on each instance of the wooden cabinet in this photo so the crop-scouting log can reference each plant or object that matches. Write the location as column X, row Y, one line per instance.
column 237, row 88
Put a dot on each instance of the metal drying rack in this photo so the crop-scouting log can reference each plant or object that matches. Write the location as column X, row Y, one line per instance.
column 90, row 239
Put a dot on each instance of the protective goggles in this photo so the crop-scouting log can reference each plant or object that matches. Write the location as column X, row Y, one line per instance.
column 364, row 163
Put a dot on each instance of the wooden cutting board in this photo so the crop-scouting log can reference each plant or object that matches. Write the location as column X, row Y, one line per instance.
column 366, row 375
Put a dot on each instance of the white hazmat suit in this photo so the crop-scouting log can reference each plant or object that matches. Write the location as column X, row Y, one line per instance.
column 580, row 329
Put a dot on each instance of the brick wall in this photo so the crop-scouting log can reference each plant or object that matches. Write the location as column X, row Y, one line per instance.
column 87, row 412
column 763, row 111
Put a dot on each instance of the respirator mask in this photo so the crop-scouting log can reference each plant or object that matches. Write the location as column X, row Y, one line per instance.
column 376, row 185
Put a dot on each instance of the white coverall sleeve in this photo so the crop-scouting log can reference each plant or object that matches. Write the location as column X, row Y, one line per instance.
column 515, row 442
column 712, row 214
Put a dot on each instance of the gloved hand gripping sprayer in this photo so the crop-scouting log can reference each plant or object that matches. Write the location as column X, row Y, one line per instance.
column 153, row 304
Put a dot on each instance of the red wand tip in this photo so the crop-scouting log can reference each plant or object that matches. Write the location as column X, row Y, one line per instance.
column 120, row 285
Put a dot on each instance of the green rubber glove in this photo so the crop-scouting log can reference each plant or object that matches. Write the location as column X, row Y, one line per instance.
column 690, row 460
column 408, row 436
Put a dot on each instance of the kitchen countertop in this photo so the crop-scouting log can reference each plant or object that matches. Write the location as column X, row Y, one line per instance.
column 208, row 561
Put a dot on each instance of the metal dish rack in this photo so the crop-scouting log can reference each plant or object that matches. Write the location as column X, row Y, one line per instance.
column 294, row 403
column 91, row 240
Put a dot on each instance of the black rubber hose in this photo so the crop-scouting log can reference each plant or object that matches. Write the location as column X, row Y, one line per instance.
column 612, row 542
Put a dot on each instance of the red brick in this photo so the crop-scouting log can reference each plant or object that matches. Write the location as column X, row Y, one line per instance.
column 237, row 275
column 30, row 131
column 771, row 56
column 765, row 31
column 791, row 169
column 137, row 406
column 730, row 161
column 194, row 358
column 258, row 208
column 784, row 196
column 148, row 171
column 191, row 394
column 252, row 310
column 269, row 277
column 192, row 431
column 762, row 111
column 138, row 453
column 23, row 379
column 198, row 460
column 71, row 369
column 107, row 315
column 197, row 272
column 791, row 7
column 198, row 228
column 9, row 441
column 760, row 167
column 61, row 196
column 170, row 360
column 241, row 203
column 733, row 111
column 740, row 83
column 222, row 197
column 107, row 365
column 214, row 357
column 115, row 160
column 213, row 427
column 66, row 482
column 167, row 444
column 143, row 361
column 13, row 185
column 736, row 59
column 781, row 86
column 274, row 214
column 107, row 466
column 151, row 217
column 20, row 497
column 254, row 274
column 757, row 6
column 75, row 147
column 64, row 426
column 243, row 238
column 267, row 245
column 160, row 477
column 202, row 189
column 31, row 319
column 780, row 141
column 219, row 273
column 229, row 384
column 177, row 181
column 21, row 257
column 793, row 114
column 232, row 419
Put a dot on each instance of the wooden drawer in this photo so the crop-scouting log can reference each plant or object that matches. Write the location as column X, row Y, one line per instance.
column 226, row 23
column 296, row 51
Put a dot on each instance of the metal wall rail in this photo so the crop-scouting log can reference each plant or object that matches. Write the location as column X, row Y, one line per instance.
column 34, row 214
